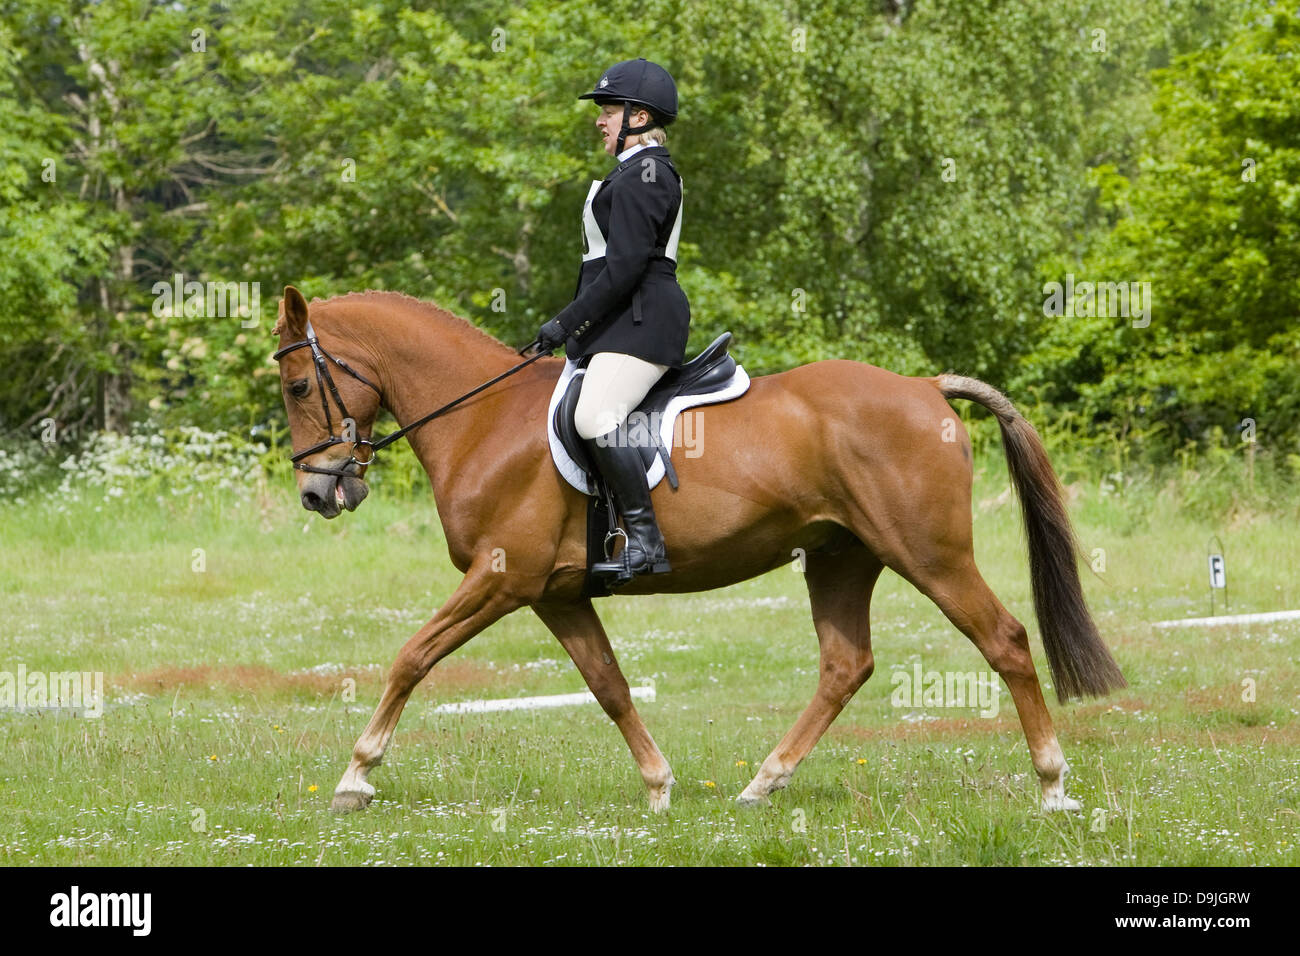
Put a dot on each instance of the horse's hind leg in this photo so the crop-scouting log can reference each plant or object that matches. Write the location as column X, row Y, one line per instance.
column 578, row 628
column 839, row 587
column 962, row 594
column 923, row 530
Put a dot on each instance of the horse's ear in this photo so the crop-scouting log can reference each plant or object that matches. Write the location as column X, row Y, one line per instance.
column 293, row 315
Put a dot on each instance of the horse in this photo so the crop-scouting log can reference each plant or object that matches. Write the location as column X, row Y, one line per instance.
column 848, row 467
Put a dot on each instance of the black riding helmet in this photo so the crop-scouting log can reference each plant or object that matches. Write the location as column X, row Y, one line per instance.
column 637, row 83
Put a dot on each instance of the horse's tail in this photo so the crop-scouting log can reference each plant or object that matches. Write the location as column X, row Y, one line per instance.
column 1079, row 661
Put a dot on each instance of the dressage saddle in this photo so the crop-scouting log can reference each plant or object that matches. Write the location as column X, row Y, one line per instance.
column 707, row 372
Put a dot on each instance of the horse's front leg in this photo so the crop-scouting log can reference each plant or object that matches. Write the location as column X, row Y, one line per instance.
column 477, row 603
column 578, row 628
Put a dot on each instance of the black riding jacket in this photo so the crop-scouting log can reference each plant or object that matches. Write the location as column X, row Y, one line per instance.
column 628, row 299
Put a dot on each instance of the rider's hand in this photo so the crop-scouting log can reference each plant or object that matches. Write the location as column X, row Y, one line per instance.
column 552, row 335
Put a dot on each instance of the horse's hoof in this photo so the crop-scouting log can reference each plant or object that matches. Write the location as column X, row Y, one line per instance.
column 345, row 801
column 660, row 793
column 1052, row 804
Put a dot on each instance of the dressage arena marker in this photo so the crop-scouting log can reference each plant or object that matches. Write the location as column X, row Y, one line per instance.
column 533, row 703
column 1231, row 619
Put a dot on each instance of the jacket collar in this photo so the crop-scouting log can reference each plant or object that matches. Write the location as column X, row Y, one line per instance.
column 659, row 151
column 633, row 150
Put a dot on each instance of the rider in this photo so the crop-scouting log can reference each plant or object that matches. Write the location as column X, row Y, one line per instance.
column 628, row 315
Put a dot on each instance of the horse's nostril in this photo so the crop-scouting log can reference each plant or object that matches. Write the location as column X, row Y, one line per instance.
column 311, row 501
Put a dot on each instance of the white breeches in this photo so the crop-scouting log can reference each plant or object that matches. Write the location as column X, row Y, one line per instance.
column 612, row 387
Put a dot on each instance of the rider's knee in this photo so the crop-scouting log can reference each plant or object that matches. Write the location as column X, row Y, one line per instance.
column 594, row 422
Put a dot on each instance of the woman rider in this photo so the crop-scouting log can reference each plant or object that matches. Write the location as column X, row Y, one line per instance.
column 629, row 316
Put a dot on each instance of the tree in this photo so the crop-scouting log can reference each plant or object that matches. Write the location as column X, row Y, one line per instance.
column 1212, row 220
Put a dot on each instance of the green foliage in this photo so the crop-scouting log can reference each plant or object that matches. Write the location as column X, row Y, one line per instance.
column 46, row 242
column 1210, row 217
column 891, row 185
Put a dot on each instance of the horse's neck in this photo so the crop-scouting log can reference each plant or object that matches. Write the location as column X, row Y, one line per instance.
column 425, row 361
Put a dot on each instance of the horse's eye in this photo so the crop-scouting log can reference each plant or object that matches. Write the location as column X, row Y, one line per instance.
column 299, row 388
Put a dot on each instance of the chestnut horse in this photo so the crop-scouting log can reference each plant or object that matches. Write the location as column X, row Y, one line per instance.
column 860, row 468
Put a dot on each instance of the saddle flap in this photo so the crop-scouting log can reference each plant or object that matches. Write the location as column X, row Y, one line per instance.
column 562, row 424
column 637, row 428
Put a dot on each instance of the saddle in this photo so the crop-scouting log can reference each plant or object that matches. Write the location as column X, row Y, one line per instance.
column 712, row 376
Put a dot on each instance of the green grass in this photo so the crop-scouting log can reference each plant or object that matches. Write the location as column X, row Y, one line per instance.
column 227, row 726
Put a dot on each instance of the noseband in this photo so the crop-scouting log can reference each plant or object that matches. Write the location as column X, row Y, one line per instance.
column 324, row 379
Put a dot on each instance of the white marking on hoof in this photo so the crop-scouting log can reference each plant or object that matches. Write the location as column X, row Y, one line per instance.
column 1060, row 802
column 659, row 788
column 661, row 799
column 1054, row 798
column 771, row 776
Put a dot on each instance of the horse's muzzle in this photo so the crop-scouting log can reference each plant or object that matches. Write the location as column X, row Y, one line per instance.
column 328, row 496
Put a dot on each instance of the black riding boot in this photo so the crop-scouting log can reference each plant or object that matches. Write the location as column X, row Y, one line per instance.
column 621, row 466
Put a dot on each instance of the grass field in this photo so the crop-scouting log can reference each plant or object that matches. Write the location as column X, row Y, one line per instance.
column 227, row 668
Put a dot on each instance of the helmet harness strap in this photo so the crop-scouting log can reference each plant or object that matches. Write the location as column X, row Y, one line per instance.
column 623, row 133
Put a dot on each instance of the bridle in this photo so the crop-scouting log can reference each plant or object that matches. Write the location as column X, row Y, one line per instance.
column 321, row 359
column 324, row 379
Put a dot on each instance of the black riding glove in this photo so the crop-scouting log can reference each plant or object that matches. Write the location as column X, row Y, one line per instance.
column 552, row 335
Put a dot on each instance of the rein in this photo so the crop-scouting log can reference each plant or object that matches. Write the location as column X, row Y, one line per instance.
column 324, row 379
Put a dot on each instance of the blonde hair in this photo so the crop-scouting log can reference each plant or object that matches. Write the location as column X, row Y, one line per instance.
column 656, row 136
